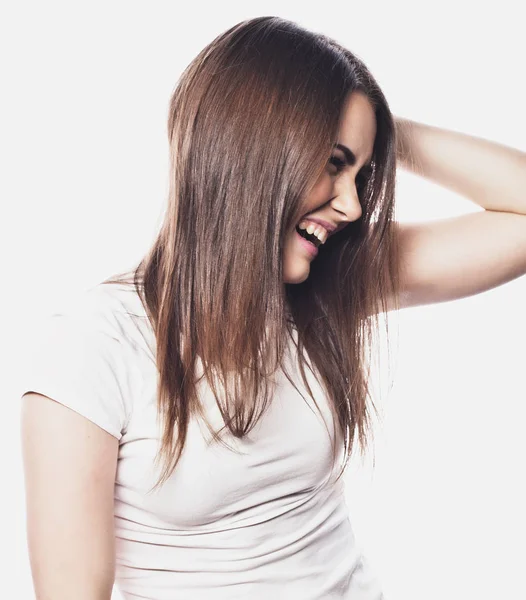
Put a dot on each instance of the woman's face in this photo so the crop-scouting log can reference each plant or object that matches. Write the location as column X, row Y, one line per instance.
column 334, row 197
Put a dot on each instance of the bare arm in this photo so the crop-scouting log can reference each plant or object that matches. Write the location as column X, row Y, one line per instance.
column 69, row 468
column 483, row 171
column 447, row 259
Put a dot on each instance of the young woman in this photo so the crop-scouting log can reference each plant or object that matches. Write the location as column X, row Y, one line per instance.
column 185, row 428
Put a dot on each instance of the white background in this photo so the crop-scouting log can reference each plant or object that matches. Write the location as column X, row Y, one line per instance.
column 83, row 149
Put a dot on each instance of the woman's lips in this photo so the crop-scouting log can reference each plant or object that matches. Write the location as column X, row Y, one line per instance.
column 309, row 247
column 330, row 227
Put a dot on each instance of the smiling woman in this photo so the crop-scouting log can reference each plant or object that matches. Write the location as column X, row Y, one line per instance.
column 261, row 340
column 336, row 198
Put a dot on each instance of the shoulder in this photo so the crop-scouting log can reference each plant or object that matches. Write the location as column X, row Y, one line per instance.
column 108, row 311
column 88, row 356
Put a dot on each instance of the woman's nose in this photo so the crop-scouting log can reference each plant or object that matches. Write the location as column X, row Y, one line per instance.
column 347, row 202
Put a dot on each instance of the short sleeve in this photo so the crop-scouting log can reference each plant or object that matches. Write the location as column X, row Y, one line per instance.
column 75, row 363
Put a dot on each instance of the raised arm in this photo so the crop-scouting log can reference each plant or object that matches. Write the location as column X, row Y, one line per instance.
column 460, row 256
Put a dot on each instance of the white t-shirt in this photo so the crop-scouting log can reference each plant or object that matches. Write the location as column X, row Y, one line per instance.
column 265, row 522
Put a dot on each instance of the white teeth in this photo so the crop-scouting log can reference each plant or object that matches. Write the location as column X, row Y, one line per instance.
column 321, row 234
column 314, row 229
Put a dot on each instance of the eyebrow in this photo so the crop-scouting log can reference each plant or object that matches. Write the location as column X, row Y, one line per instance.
column 350, row 156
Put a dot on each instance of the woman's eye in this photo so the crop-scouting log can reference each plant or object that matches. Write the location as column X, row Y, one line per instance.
column 337, row 162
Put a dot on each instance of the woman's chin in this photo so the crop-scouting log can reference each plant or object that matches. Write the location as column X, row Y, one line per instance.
column 297, row 272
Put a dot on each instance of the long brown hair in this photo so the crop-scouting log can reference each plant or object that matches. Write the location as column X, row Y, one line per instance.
column 252, row 123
